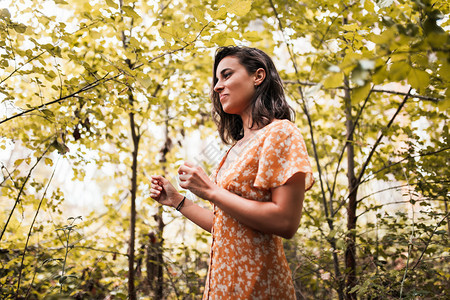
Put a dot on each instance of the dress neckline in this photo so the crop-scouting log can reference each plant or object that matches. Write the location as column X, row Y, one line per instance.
column 248, row 144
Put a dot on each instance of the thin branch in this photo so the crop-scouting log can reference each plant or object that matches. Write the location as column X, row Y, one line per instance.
column 102, row 80
column 99, row 250
column 397, row 187
column 17, row 69
column 411, row 237
column 376, row 90
column 409, row 95
column 429, row 240
column 83, row 89
column 31, row 229
column 388, row 126
column 280, row 25
column 20, row 192
column 341, row 155
column 402, row 160
column 328, row 29
column 366, row 163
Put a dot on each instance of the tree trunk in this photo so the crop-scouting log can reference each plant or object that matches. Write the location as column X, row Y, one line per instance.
column 131, row 257
column 159, row 257
column 350, row 252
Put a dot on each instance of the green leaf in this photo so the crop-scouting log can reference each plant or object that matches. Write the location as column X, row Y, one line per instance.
column 418, row 79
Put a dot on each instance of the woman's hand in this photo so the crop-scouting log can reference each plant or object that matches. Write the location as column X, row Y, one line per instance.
column 194, row 179
column 164, row 192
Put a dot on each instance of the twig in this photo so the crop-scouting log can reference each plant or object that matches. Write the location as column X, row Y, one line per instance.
column 31, row 229
column 375, row 145
column 429, row 240
column 410, row 238
column 20, row 192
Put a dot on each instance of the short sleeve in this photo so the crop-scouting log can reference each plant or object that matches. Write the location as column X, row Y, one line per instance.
column 283, row 154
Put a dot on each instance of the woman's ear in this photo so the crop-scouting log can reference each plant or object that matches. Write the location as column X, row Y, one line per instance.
column 260, row 75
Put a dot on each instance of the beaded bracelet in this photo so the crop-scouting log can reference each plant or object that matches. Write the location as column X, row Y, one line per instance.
column 180, row 205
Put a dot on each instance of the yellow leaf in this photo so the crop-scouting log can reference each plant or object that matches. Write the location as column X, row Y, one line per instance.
column 199, row 14
column 18, row 162
column 418, row 79
column 48, row 161
column 380, row 75
column 444, row 104
column 252, row 36
column 4, row 14
column 111, row 3
column 350, row 27
column 129, row 11
column 240, row 7
column 219, row 38
column 333, row 80
column 399, row 71
column 360, row 93
column 145, row 81
column 220, row 13
column 229, row 42
column 369, row 6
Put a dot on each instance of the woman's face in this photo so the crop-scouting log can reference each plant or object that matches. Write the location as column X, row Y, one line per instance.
column 234, row 86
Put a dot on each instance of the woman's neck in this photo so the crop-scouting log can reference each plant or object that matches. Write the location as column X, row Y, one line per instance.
column 246, row 124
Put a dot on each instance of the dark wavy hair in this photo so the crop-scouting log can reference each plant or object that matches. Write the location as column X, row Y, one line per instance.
column 268, row 102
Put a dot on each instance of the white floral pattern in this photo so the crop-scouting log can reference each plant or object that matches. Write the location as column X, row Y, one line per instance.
column 245, row 263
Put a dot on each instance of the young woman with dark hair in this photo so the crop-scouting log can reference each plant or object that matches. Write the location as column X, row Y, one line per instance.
column 258, row 188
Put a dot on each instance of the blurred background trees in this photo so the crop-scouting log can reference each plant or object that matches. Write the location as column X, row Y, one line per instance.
column 97, row 95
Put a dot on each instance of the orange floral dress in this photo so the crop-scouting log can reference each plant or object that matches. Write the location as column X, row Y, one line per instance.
column 246, row 263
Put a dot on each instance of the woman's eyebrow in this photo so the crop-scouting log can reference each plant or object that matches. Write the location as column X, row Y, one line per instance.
column 223, row 71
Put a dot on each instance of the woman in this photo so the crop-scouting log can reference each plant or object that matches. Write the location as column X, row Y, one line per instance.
column 258, row 188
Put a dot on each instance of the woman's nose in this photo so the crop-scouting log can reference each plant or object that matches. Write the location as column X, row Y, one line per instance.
column 218, row 87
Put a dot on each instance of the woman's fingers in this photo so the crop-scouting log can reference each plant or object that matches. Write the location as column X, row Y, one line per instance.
column 158, row 178
column 186, row 167
column 154, row 193
column 189, row 164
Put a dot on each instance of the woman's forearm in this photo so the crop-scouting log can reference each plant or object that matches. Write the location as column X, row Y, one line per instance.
column 261, row 216
column 281, row 216
column 203, row 217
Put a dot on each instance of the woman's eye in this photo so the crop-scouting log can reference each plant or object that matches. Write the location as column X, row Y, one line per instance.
column 226, row 75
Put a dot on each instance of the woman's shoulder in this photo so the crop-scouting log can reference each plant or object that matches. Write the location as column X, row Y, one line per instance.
column 278, row 126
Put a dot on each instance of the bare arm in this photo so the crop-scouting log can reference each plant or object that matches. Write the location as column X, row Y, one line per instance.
column 281, row 216
column 164, row 192
column 201, row 216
